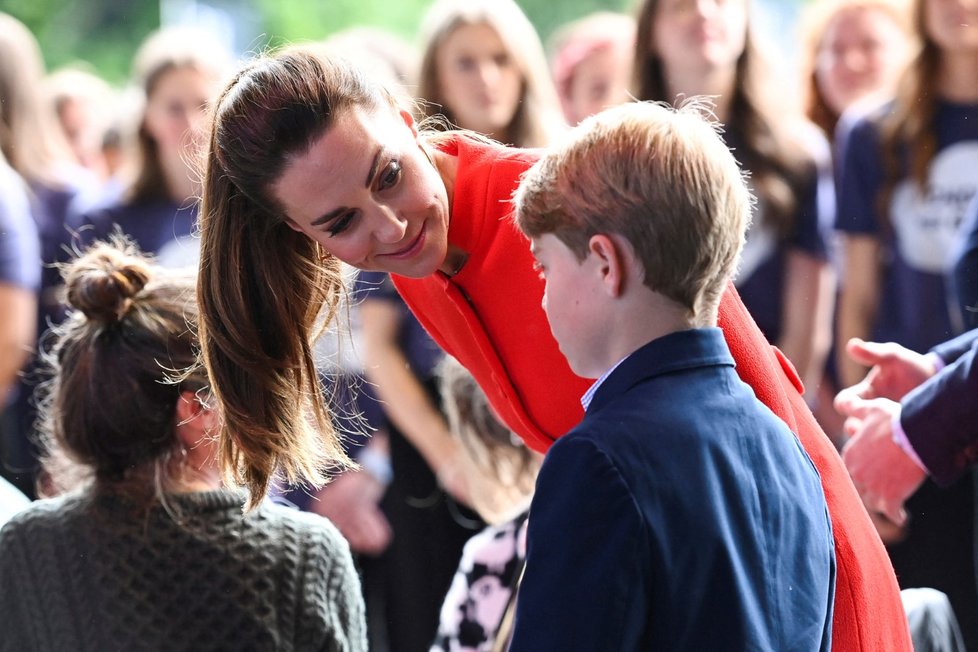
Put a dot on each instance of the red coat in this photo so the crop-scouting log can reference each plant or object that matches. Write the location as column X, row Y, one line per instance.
column 489, row 317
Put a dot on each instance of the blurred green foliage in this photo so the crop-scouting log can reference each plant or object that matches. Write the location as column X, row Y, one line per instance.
column 312, row 19
column 105, row 33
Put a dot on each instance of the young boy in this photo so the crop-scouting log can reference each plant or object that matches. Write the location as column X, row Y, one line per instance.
column 680, row 514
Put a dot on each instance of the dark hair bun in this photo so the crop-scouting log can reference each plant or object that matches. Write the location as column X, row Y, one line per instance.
column 103, row 282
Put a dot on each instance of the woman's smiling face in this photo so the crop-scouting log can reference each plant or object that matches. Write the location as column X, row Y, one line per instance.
column 367, row 193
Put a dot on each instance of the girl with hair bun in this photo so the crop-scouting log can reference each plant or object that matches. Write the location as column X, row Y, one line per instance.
column 149, row 550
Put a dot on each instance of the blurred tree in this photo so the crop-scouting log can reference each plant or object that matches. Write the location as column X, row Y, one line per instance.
column 298, row 20
column 104, row 33
column 547, row 15
column 314, row 19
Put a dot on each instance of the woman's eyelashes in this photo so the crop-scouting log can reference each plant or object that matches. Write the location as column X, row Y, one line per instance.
column 341, row 223
column 387, row 179
column 390, row 176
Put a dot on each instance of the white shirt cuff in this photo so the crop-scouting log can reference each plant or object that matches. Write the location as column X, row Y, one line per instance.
column 900, row 439
column 937, row 360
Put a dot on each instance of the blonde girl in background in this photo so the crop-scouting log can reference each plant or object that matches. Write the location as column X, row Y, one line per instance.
column 483, row 68
column 501, row 472
column 855, row 50
column 84, row 104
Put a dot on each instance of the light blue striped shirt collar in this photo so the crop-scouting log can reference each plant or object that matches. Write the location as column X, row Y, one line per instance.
column 592, row 390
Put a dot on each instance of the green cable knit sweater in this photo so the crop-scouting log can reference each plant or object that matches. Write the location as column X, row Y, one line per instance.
column 87, row 572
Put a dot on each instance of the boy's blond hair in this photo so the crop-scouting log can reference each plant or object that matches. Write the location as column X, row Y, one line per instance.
column 661, row 178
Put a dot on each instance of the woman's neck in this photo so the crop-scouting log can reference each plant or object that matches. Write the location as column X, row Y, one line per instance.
column 186, row 480
column 957, row 80
column 447, row 167
column 716, row 83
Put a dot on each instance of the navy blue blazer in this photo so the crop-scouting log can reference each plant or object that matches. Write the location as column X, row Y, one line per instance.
column 680, row 514
column 940, row 417
column 963, row 275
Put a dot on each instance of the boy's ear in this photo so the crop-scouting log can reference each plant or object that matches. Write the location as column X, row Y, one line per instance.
column 611, row 263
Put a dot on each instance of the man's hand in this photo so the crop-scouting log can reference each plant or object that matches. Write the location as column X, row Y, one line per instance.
column 884, row 475
column 895, row 370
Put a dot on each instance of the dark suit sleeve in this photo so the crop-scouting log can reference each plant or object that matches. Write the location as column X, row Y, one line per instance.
column 953, row 349
column 940, row 418
column 586, row 580
column 963, row 277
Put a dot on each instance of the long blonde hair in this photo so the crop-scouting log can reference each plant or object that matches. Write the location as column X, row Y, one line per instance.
column 537, row 119
column 816, row 20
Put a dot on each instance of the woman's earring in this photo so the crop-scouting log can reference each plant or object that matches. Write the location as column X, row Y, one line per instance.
column 323, row 255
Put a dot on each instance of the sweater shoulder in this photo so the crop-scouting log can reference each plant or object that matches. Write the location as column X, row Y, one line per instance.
column 47, row 515
column 305, row 528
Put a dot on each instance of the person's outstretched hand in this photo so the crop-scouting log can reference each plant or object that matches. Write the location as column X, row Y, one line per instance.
column 350, row 501
column 895, row 370
column 884, row 475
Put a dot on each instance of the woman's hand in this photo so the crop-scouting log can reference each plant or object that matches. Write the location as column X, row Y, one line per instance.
column 451, row 475
column 350, row 501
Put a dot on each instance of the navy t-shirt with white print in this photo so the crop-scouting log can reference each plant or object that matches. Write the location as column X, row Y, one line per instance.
column 924, row 225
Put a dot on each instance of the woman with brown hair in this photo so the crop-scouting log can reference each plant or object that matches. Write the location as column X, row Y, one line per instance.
column 150, row 551
column 686, row 48
column 310, row 164
column 907, row 174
